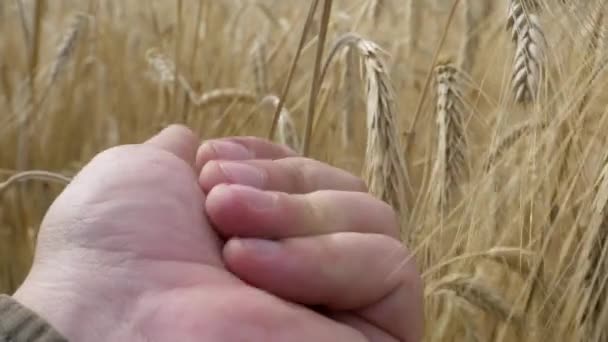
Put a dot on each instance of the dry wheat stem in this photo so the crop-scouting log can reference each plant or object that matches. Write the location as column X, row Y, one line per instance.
column 414, row 14
column 294, row 64
column 594, row 252
column 43, row 176
column 260, row 70
column 375, row 9
column 470, row 42
column 316, row 80
column 429, row 77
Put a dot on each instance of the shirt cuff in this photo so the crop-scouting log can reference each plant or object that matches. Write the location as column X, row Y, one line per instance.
column 20, row 324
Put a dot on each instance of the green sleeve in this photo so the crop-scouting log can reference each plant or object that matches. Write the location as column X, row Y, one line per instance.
column 20, row 324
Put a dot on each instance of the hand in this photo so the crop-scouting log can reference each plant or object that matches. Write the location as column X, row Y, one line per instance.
column 310, row 234
column 126, row 253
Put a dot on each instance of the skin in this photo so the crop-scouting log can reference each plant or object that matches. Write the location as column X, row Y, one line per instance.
column 235, row 240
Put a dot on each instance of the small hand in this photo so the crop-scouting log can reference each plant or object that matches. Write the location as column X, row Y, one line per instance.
column 310, row 234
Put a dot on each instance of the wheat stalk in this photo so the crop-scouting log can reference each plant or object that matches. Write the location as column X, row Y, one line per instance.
column 451, row 146
column 470, row 43
column 375, row 9
column 413, row 20
column 528, row 65
column 43, row 176
column 594, row 265
column 307, row 25
column 594, row 61
column 317, row 81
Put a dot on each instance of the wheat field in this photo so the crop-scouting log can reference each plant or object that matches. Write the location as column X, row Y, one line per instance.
column 482, row 122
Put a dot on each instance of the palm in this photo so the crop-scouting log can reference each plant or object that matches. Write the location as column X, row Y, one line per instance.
column 136, row 214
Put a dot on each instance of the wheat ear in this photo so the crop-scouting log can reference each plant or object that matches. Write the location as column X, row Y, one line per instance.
column 385, row 167
column 527, row 33
column 451, row 146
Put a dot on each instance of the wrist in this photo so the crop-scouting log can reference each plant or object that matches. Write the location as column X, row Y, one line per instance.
column 64, row 303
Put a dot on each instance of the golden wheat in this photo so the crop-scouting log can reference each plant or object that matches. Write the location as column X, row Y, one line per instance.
column 529, row 64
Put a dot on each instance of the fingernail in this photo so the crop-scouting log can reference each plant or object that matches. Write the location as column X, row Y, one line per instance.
column 255, row 199
column 243, row 174
column 230, row 150
column 260, row 246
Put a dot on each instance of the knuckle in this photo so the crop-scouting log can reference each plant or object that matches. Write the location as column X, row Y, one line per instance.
column 389, row 217
column 301, row 172
column 360, row 184
column 406, row 268
column 393, row 219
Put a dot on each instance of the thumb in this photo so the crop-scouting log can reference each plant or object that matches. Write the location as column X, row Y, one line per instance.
column 178, row 140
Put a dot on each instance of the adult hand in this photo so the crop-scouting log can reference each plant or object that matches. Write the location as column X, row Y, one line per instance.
column 311, row 234
column 126, row 253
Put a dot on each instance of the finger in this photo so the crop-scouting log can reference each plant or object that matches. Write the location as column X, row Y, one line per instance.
column 178, row 140
column 369, row 273
column 241, row 148
column 291, row 175
column 243, row 211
